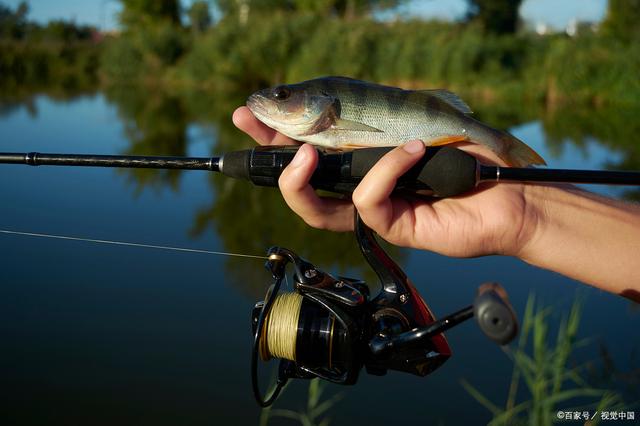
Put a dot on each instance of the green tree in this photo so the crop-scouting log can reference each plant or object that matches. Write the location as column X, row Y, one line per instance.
column 622, row 19
column 347, row 9
column 199, row 16
column 67, row 31
column 350, row 9
column 136, row 12
column 14, row 24
column 495, row 16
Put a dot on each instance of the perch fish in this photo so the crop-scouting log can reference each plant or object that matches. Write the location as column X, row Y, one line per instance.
column 343, row 113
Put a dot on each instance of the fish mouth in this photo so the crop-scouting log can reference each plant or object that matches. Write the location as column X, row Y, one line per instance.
column 259, row 105
column 266, row 111
column 277, row 116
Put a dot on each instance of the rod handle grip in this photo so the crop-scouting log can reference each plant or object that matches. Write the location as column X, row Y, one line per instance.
column 442, row 171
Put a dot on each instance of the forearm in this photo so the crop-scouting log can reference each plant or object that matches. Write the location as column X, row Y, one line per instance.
column 590, row 238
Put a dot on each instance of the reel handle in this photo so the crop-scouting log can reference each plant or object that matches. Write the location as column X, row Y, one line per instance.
column 494, row 314
column 491, row 308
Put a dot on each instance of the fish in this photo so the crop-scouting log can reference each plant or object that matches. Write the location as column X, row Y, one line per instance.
column 342, row 113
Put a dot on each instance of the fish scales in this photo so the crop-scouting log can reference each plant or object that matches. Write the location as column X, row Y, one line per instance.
column 344, row 113
column 408, row 115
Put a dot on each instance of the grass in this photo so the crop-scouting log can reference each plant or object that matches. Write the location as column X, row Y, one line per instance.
column 315, row 412
column 551, row 383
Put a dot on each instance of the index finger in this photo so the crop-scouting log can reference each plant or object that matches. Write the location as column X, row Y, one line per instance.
column 244, row 120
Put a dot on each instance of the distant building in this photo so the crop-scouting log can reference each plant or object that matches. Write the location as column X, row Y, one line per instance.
column 576, row 28
column 542, row 29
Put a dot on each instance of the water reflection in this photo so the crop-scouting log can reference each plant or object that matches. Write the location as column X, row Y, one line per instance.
column 155, row 123
column 605, row 373
column 13, row 99
column 614, row 128
column 253, row 219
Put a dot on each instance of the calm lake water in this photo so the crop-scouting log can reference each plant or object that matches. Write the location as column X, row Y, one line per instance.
column 99, row 334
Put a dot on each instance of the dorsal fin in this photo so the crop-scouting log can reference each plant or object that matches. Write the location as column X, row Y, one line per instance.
column 450, row 98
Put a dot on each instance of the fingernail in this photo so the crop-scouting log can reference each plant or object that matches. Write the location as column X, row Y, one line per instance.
column 298, row 159
column 413, row 147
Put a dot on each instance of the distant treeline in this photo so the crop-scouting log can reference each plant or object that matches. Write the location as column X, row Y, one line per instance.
column 254, row 43
column 59, row 55
column 260, row 42
column 588, row 68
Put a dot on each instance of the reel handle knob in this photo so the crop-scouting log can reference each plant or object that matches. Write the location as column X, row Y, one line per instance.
column 494, row 313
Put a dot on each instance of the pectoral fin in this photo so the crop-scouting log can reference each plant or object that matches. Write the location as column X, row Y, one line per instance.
column 446, row 140
column 342, row 124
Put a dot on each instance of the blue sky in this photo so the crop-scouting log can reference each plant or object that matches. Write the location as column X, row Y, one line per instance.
column 556, row 13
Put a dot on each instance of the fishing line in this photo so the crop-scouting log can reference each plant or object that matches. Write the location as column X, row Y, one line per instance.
column 129, row 244
column 282, row 327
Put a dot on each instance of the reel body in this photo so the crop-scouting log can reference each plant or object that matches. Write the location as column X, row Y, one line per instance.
column 330, row 327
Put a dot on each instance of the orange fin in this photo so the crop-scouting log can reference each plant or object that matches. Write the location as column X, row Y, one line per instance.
column 446, row 140
column 353, row 146
column 518, row 154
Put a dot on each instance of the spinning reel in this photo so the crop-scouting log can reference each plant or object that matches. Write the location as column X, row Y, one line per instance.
column 330, row 327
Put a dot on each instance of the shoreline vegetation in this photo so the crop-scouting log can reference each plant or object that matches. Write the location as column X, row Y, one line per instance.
column 589, row 69
column 247, row 48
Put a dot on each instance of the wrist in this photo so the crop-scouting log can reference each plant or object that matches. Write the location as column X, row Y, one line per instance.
column 535, row 221
column 581, row 235
column 550, row 211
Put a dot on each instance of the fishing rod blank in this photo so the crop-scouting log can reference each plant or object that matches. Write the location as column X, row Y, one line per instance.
column 124, row 161
column 442, row 172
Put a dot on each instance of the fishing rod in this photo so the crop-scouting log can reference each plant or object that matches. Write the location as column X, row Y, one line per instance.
column 331, row 327
column 442, row 172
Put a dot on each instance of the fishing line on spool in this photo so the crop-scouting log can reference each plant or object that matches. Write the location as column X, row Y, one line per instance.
column 299, row 329
column 280, row 334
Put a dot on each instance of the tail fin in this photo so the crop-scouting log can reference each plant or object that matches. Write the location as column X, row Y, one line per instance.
column 518, row 154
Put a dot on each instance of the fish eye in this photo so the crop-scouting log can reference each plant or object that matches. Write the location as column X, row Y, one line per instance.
column 281, row 93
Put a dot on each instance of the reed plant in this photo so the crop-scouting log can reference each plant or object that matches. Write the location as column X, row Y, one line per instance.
column 315, row 412
column 551, row 382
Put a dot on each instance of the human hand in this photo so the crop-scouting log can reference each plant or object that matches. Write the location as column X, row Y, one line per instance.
column 495, row 220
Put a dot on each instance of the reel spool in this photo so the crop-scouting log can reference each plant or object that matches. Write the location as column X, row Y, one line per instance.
column 279, row 335
column 310, row 333
column 297, row 329
column 328, row 327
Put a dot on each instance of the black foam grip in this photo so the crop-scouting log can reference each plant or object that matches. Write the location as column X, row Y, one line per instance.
column 362, row 160
column 444, row 170
column 449, row 172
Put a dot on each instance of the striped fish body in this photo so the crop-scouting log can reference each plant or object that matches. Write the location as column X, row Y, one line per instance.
column 343, row 113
